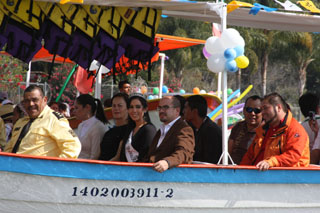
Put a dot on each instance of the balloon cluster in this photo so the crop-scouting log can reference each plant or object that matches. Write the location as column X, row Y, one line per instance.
column 196, row 90
column 226, row 52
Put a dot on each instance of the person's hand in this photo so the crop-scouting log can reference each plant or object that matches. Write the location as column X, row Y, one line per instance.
column 263, row 165
column 161, row 166
column 314, row 127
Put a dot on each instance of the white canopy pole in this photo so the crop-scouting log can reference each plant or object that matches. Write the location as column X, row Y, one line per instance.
column 28, row 75
column 97, row 91
column 224, row 98
column 219, row 85
column 111, row 95
column 163, row 56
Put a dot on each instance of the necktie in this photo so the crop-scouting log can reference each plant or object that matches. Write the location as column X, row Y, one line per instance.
column 23, row 133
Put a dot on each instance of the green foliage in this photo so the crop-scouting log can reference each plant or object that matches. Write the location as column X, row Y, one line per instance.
column 12, row 72
column 58, row 78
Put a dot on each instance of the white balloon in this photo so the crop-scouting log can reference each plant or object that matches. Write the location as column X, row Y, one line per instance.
column 232, row 31
column 203, row 91
column 214, row 45
column 210, row 43
column 216, row 64
column 232, row 38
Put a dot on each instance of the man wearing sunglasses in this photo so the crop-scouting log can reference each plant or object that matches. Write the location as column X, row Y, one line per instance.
column 244, row 132
column 281, row 142
column 173, row 144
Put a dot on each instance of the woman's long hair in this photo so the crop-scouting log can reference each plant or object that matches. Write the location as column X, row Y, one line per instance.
column 96, row 106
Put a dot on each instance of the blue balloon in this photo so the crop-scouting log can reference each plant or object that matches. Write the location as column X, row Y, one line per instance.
column 231, row 66
column 239, row 50
column 150, row 97
column 182, row 91
column 230, row 54
column 164, row 89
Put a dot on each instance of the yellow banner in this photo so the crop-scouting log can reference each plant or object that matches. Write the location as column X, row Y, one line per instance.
column 236, row 4
column 309, row 6
column 71, row 1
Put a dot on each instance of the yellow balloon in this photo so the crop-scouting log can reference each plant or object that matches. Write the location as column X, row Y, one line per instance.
column 242, row 61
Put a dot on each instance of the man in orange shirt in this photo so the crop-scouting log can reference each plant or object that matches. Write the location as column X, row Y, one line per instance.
column 282, row 141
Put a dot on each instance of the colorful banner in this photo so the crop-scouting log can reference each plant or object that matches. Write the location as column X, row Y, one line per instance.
column 309, row 6
column 236, row 4
column 288, row 5
column 257, row 7
column 71, row 1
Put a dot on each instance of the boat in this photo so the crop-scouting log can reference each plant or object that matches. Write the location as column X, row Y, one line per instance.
column 46, row 184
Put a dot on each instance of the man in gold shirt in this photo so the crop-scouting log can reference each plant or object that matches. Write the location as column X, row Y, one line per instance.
column 44, row 132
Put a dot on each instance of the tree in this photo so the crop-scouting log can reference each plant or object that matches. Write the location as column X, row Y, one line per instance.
column 296, row 48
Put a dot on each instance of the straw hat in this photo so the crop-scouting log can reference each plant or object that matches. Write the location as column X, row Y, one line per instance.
column 6, row 111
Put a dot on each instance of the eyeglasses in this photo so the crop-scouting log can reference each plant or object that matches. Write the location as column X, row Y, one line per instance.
column 165, row 107
column 255, row 110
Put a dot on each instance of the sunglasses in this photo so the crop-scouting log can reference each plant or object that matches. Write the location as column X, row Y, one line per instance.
column 255, row 110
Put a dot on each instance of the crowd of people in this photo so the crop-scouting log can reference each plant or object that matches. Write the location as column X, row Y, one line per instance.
column 268, row 136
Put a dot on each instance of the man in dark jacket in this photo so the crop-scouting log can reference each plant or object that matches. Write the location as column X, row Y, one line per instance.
column 208, row 135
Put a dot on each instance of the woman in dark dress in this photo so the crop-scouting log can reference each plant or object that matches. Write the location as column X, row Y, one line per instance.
column 112, row 138
column 135, row 145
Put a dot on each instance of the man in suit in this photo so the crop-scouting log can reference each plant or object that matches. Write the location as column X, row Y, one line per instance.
column 174, row 142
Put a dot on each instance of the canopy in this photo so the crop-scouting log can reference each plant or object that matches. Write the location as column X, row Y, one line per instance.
column 209, row 12
column 167, row 42
column 44, row 55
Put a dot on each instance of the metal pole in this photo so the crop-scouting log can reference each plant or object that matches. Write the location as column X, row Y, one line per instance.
column 163, row 56
column 224, row 98
column 219, row 85
column 97, row 91
column 28, row 75
column 111, row 94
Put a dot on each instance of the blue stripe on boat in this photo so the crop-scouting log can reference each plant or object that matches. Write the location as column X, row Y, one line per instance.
column 69, row 169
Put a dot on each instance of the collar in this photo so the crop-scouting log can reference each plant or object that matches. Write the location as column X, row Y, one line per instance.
column 204, row 120
column 284, row 123
column 164, row 128
column 89, row 121
column 44, row 111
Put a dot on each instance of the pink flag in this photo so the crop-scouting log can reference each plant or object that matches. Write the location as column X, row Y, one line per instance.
column 216, row 29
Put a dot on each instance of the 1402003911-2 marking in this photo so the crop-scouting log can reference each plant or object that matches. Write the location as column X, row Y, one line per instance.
column 123, row 192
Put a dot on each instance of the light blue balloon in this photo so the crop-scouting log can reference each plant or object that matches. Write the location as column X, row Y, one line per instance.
column 164, row 89
column 230, row 54
column 239, row 50
column 150, row 97
column 231, row 66
column 182, row 91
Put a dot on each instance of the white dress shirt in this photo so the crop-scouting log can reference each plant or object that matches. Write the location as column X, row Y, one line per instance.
column 164, row 130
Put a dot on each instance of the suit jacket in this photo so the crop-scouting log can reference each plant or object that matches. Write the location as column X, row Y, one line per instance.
column 177, row 147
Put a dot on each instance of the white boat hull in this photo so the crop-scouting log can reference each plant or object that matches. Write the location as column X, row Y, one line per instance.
column 147, row 192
